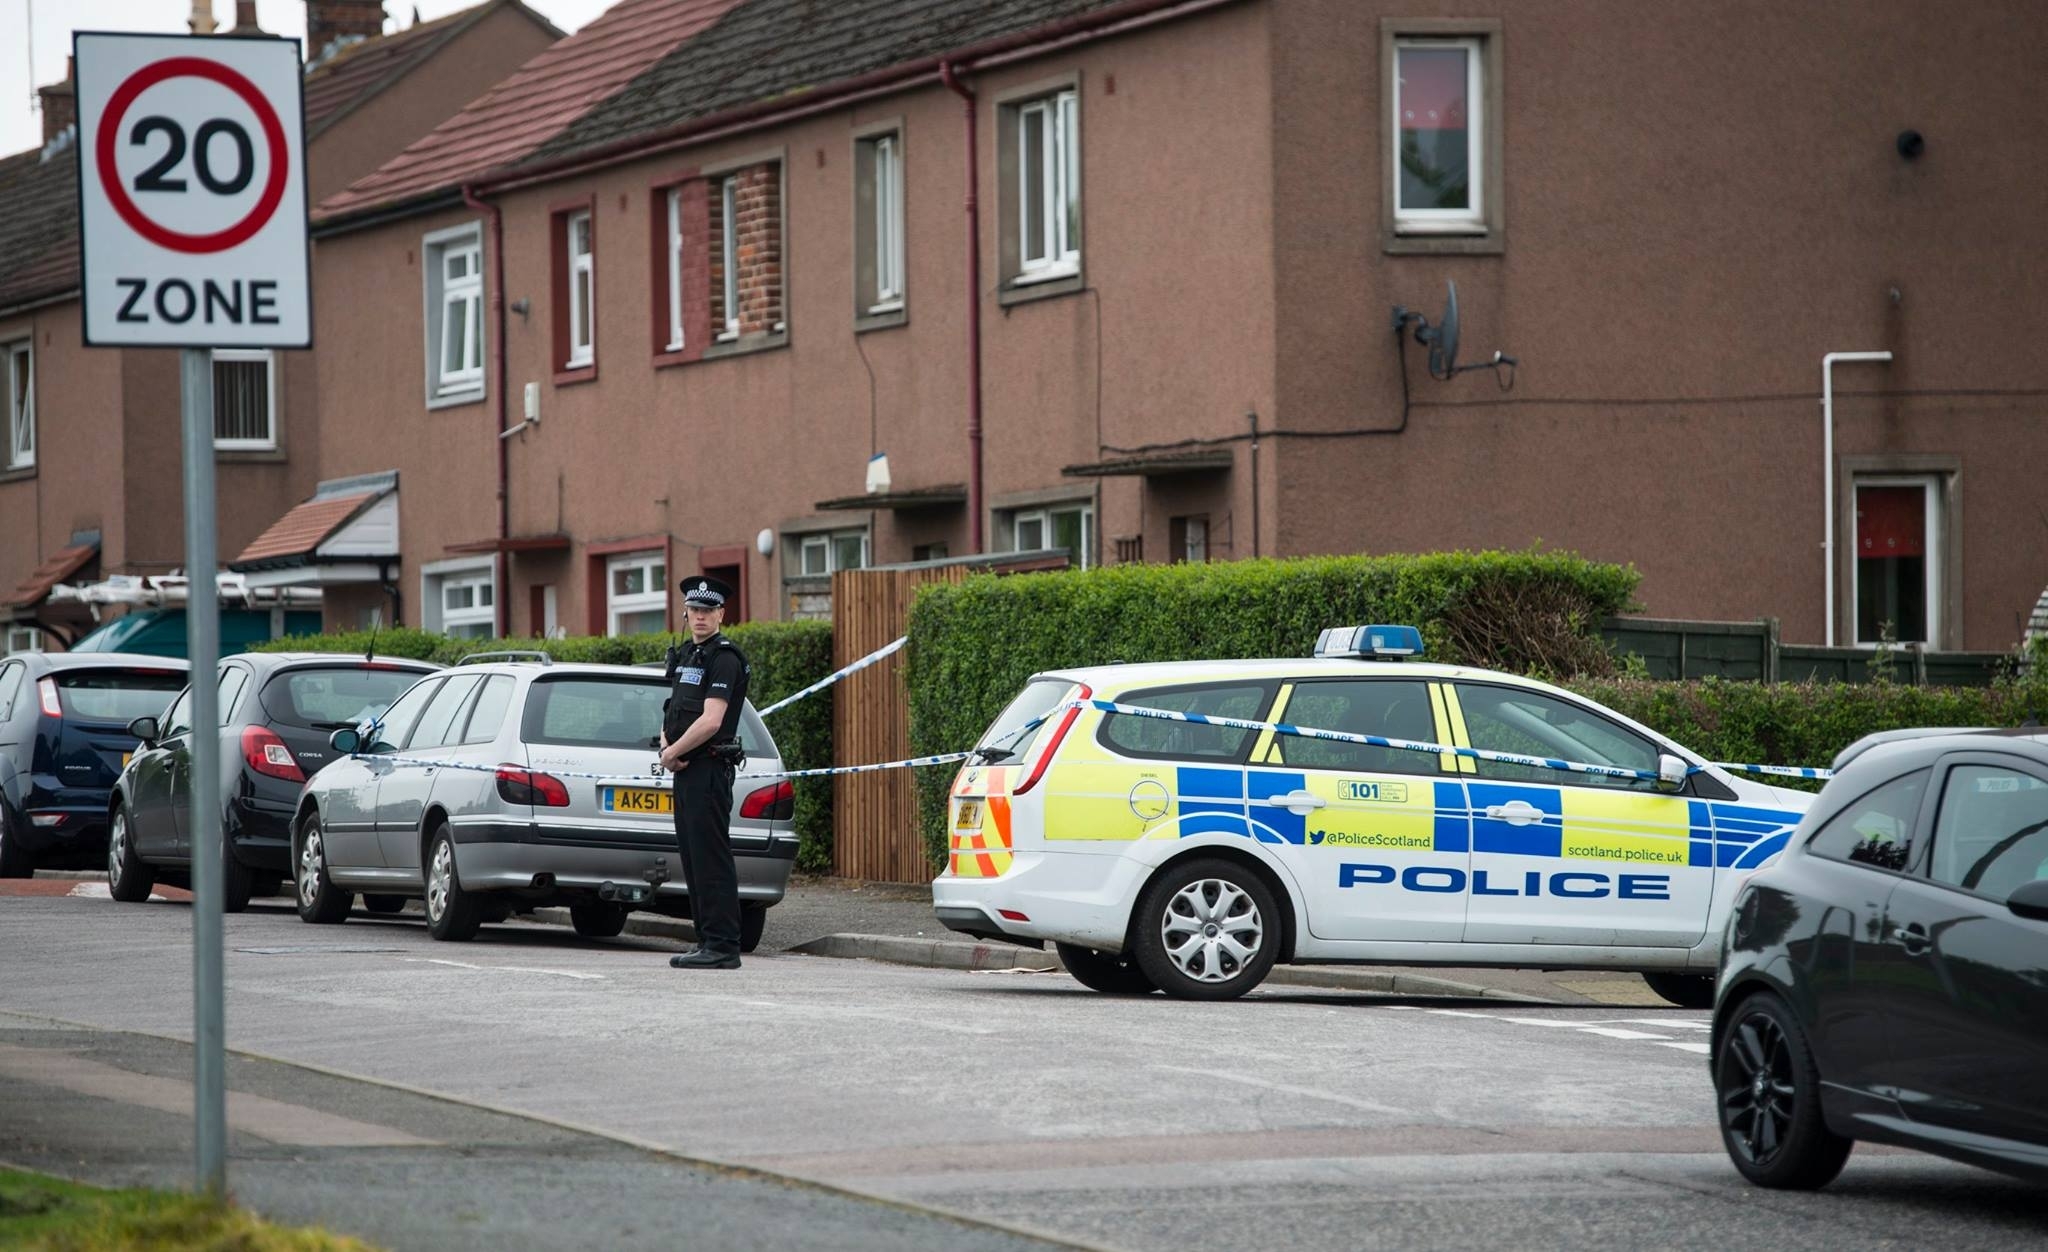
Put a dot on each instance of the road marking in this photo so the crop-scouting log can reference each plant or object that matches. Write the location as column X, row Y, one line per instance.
column 1309, row 1092
column 1606, row 1027
column 508, row 969
column 256, row 1115
column 1685, row 1045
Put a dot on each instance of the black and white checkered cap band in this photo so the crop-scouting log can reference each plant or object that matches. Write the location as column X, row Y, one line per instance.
column 704, row 598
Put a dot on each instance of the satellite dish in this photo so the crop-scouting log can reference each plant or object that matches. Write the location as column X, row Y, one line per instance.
column 1443, row 347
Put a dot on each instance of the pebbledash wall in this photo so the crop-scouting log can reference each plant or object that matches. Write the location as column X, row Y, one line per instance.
column 1682, row 216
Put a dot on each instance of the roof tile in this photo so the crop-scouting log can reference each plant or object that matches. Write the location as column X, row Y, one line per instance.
column 61, row 565
column 304, row 528
column 538, row 101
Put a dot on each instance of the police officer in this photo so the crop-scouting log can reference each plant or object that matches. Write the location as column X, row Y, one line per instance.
column 700, row 742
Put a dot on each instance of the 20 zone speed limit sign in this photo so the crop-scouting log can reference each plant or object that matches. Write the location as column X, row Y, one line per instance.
column 192, row 192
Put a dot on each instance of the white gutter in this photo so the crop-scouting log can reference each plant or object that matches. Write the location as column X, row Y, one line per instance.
column 1827, row 456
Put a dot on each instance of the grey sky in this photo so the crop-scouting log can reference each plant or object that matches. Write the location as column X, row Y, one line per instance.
column 21, row 125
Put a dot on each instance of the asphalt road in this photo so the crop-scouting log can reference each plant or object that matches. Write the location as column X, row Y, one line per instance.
column 1289, row 1119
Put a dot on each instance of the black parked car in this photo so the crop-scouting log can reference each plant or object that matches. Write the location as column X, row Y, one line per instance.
column 1888, row 978
column 63, row 738
column 277, row 710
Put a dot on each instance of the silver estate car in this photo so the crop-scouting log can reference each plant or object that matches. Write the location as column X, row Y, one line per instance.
column 471, row 794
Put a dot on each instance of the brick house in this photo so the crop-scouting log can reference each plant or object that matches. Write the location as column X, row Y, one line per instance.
column 706, row 272
column 89, row 474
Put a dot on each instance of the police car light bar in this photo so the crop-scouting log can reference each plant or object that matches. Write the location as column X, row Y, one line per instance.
column 1360, row 642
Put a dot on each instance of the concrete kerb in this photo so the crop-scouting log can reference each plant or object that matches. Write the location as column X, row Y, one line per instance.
column 958, row 954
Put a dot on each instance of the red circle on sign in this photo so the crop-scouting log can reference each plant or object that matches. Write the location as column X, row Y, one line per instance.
column 110, row 176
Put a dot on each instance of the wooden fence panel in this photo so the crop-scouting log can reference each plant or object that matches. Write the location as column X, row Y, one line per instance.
column 874, row 816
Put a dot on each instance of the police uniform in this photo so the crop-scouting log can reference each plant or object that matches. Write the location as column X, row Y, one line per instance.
column 712, row 670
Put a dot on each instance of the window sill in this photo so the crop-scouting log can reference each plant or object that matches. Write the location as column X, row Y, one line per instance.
column 1048, row 274
column 456, row 399
column 1410, row 240
column 573, row 374
column 18, row 473
column 1041, row 285
column 762, row 341
column 881, row 317
column 245, row 456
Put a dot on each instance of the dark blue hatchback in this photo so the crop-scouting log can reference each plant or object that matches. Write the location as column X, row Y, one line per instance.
column 63, row 740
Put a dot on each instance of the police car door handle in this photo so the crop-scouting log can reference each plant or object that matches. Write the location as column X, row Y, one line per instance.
column 1515, row 812
column 1912, row 938
column 1299, row 803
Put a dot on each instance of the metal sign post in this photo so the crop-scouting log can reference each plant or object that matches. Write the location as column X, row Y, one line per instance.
column 192, row 207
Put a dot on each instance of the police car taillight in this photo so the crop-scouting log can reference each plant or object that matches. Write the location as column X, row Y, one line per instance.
column 1359, row 642
column 1052, row 742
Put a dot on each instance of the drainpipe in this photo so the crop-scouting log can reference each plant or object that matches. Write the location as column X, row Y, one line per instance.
column 966, row 94
column 1827, row 456
column 502, row 592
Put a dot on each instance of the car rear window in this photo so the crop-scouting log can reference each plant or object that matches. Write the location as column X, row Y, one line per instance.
column 333, row 696
column 1039, row 698
column 116, row 695
column 592, row 712
column 1174, row 740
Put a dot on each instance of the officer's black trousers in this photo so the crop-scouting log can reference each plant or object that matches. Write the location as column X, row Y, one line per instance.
column 703, row 834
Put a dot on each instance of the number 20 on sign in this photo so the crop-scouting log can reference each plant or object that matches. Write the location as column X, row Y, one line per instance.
column 191, row 173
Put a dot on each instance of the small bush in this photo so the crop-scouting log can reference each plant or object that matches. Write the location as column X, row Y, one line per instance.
column 786, row 656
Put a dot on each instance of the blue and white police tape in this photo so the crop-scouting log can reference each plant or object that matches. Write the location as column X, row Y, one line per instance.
column 915, row 762
column 1781, row 771
column 1375, row 741
column 836, row 675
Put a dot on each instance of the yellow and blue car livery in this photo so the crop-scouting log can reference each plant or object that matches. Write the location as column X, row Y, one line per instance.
column 1376, row 855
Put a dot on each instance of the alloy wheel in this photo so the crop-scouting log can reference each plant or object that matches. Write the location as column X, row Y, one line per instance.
column 439, row 879
column 311, row 863
column 1758, row 1098
column 117, row 847
column 1212, row 930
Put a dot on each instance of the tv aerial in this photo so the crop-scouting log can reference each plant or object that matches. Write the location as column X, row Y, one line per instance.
column 1442, row 342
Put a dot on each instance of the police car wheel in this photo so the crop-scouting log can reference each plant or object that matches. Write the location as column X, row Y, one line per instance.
column 1207, row 930
column 1769, row 1089
column 1687, row 991
column 753, row 920
column 1099, row 971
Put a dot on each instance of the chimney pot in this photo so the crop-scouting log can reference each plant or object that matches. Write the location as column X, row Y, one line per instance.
column 329, row 20
column 201, row 21
column 245, row 18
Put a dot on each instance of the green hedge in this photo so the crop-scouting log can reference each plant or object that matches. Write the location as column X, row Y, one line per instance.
column 973, row 644
column 1805, row 723
column 786, row 656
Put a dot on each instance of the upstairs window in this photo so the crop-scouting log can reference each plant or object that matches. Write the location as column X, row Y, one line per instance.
column 673, row 264
column 1441, row 102
column 1048, row 187
column 244, row 399
column 21, row 405
column 582, row 349
column 728, row 315
column 878, row 225
column 454, row 276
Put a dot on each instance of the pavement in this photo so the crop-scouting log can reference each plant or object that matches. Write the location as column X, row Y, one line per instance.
column 1301, row 1118
column 893, row 922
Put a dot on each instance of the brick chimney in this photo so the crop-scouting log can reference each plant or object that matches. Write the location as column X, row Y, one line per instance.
column 329, row 20
column 245, row 18
column 60, row 105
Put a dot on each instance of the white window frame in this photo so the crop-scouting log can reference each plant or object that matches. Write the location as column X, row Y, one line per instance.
column 1058, row 179
column 583, row 295
column 1472, row 218
column 654, row 599
column 675, row 269
column 1194, row 539
column 437, row 577
column 1042, row 517
column 1931, row 485
column 887, row 154
column 18, row 638
column 21, row 418
column 729, row 254
column 443, row 294
column 826, row 541
column 269, row 441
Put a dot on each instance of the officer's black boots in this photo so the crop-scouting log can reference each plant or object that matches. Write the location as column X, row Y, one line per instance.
column 702, row 959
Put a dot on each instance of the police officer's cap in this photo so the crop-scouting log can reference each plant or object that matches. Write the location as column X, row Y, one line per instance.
column 702, row 591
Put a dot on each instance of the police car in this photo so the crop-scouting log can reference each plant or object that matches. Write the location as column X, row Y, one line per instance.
column 1189, row 857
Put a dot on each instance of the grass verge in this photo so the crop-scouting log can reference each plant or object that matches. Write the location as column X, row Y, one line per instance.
column 43, row 1214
